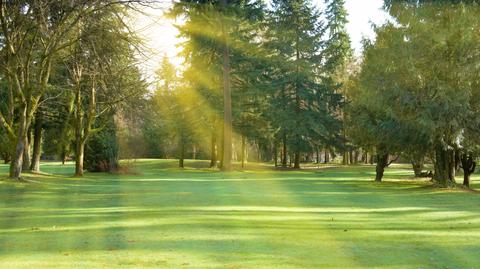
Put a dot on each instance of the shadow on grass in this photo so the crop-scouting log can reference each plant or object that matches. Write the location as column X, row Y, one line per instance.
column 330, row 217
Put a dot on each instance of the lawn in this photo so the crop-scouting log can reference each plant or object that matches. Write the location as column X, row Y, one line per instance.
column 163, row 217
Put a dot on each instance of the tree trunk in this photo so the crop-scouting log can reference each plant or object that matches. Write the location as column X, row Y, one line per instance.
column 63, row 157
column 444, row 166
column 417, row 165
column 37, row 144
column 6, row 158
column 355, row 156
column 26, row 152
column 227, row 98
column 83, row 128
column 17, row 162
column 213, row 151
column 275, row 154
column 417, row 168
column 344, row 157
column 220, row 151
column 194, row 154
column 284, row 152
column 318, row 154
column 468, row 166
column 327, row 156
column 350, row 155
column 182, row 152
column 457, row 161
column 243, row 151
column 259, row 154
column 297, row 160
column 382, row 162
column 79, row 155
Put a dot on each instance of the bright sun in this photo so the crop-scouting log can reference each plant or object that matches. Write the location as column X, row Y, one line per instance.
column 160, row 36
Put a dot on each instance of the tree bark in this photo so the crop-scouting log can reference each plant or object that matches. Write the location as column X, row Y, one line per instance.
column 79, row 134
column 83, row 128
column 63, row 157
column 382, row 162
column 220, row 151
column 213, row 150
column 356, row 156
column 327, row 156
column 457, row 161
column 468, row 166
column 182, row 151
column 17, row 162
column 444, row 166
column 417, row 164
column 284, row 151
column 27, row 152
column 259, row 153
column 275, row 154
column 227, row 98
column 344, row 157
column 417, row 168
column 296, row 164
column 37, row 144
column 79, row 156
column 243, row 151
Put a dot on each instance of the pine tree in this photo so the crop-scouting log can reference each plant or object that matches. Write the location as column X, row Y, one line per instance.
column 299, row 97
column 337, row 56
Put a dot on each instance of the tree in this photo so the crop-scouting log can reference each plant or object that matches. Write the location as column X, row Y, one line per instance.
column 203, row 56
column 214, row 51
column 33, row 34
column 103, row 74
column 218, row 35
column 470, row 136
column 424, row 86
column 300, row 101
column 175, row 102
column 338, row 57
column 372, row 123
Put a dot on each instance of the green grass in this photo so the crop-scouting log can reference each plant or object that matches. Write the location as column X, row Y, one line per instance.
column 331, row 217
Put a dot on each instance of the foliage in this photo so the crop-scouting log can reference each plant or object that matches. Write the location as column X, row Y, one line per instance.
column 418, row 78
column 101, row 152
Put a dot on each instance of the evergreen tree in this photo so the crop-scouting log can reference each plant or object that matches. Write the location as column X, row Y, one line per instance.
column 423, row 73
column 338, row 58
column 299, row 98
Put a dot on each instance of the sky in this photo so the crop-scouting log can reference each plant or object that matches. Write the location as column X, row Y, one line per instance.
column 160, row 34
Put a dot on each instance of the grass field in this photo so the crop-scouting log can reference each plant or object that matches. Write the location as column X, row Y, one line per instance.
column 331, row 217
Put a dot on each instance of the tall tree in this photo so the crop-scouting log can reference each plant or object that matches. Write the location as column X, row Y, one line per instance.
column 424, row 78
column 300, row 97
column 338, row 58
column 175, row 102
column 103, row 73
column 33, row 33
column 215, row 32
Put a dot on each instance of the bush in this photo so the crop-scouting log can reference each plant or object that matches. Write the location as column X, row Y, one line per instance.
column 101, row 152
